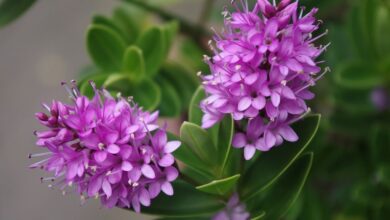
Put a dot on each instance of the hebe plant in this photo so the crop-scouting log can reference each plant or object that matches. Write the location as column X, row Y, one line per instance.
column 269, row 43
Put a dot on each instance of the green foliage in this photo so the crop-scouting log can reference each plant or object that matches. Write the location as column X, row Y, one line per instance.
column 269, row 187
column 187, row 202
column 106, row 47
column 279, row 197
column 132, row 60
column 10, row 10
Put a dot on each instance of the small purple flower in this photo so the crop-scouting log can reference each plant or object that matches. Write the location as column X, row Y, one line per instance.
column 380, row 98
column 106, row 148
column 261, row 71
column 234, row 210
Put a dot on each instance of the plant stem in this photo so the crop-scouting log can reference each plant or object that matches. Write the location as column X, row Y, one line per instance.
column 196, row 32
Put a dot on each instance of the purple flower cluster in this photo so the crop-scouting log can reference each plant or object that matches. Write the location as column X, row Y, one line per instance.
column 106, row 148
column 262, row 68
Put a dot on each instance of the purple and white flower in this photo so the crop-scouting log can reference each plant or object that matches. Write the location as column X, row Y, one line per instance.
column 263, row 66
column 106, row 148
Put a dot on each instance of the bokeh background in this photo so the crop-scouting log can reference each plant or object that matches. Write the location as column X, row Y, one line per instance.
column 351, row 175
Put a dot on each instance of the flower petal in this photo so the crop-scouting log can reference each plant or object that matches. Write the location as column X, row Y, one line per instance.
column 171, row 146
column 148, row 171
column 244, row 104
column 167, row 188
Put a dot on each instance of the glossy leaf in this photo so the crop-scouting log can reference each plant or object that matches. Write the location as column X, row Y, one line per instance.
column 195, row 113
column 105, row 47
column 134, row 64
column 200, row 142
column 228, row 157
column 10, row 10
column 187, row 202
column 170, row 104
column 146, row 93
column 182, row 80
column 221, row 187
column 278, row 198
column 271, row 165
column 191, row 164
column 153, row 44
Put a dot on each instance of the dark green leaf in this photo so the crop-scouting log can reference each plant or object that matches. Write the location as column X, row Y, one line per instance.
column 279, row 197
column 224, row 140
column 193, row 167
column 153, row 44
column 187, row 202
column 146, row 93
column 221, row 187
column 105, row 47
column 133, row 63
column 200, row 143
column 358, row 76
column 170, row 104
column 11, row 10
column 271, row 165
column 182, row 80
column 195, row 113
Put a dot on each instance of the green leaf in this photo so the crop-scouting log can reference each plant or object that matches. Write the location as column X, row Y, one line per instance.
column 85, row 87
column 10, row 10
column 182, row 80
column 170, row 104
column 194, row 167
column 104, row 21
column 187, row 202
column 192, row 55
column 195, row 113
column 134, row 64
column 105, row 47
column 126, row 21
column 221, row 187
column 224, row 141
column 279, row 197
column 271, row 165
column 200, row 143
column 358, row 76
column 146, row 93
column 170, row 30
column 153, row 44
